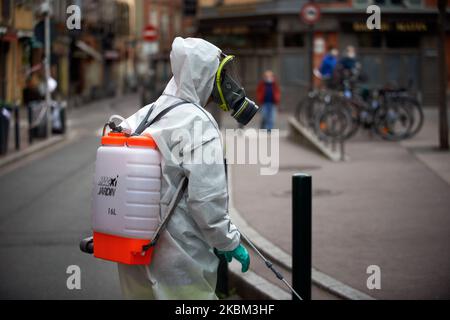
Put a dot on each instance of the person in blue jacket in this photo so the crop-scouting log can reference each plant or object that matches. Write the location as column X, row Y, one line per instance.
column 328, row 65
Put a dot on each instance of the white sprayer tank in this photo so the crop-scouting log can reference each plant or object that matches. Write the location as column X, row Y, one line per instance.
column 126, row 197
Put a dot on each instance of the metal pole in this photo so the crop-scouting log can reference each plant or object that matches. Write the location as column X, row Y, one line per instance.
column 301, row 234
column 47, row 63
column 311, row 54
column 311, row 57
column 443, row 119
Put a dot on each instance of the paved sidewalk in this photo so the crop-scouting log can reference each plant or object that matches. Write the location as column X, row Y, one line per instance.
column 387, row 206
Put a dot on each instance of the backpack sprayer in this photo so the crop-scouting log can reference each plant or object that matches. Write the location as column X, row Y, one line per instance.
column 126, row 195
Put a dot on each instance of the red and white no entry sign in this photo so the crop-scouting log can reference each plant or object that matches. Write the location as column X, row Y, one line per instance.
column 150, row 33
column 310, row 13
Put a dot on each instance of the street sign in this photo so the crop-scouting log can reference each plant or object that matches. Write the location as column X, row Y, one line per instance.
column 150, row 33
column 310, row 13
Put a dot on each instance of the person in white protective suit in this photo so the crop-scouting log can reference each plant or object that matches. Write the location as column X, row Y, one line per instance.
column 184, row 265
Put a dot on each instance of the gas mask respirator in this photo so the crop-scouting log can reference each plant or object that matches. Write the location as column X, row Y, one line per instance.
column 229, row 94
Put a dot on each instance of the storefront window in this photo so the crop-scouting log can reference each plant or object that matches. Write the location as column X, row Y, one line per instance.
column 293, row 40
column 402, row 40
column 370, row 40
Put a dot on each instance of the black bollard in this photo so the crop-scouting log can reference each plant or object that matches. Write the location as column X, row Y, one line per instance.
column 301, row 235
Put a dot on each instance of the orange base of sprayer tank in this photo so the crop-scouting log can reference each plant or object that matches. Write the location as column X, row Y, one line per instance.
column 120, row 249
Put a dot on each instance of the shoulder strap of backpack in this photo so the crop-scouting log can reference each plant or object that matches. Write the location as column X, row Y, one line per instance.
column 145, row 123
column 170, row 210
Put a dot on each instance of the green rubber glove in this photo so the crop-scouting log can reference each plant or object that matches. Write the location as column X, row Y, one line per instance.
column 240, row 254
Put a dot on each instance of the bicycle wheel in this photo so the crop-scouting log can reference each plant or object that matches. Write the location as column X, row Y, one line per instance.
column 352, row 109
column 331, row 124
column 417, row 113
column 306, row 109
column 302, row 110
column 393, row 122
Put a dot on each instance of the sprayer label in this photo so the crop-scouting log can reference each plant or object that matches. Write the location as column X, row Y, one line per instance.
column 107, row 186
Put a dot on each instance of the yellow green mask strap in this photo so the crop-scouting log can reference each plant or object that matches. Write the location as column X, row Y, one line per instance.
column 222, row 64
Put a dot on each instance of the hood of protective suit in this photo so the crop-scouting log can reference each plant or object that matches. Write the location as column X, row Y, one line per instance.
column 194, row 64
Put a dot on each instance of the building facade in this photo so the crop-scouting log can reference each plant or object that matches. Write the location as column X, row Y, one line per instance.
column 16, row 32
column 170, row 18
column 267, row 34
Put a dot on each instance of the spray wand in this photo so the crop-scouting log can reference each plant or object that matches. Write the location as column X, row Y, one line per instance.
column 270, row 266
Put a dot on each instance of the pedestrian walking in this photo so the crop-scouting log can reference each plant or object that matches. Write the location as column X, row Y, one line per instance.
column 268, row 95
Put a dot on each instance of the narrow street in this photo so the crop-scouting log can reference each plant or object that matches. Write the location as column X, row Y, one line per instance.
column 45, row 211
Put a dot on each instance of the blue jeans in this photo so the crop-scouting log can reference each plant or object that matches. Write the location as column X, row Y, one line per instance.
column 268, row 116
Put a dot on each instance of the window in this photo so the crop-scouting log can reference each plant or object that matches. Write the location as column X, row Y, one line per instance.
column 5, row 10
column 293, row 40
column 370, row 39
column 190, row 7
column 402, row 40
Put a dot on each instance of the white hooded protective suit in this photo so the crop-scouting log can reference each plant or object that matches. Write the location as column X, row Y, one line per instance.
column 184, row 265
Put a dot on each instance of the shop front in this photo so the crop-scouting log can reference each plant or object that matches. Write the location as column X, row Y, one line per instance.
column 403, row 53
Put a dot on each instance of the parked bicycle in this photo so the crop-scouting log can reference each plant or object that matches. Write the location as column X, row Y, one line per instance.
column 393, row 114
